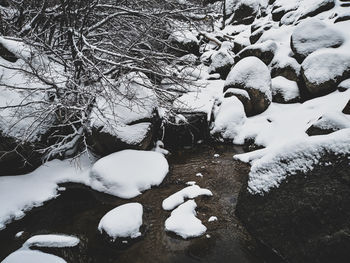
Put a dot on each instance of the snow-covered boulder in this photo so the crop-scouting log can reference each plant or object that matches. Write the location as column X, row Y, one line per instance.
column 183, row 221
column 311, row 35
column 184, row 41
column 252, row 75
column 328, row 123
column 323, row 70
column 264, row 51
column 241, row 12
column 122, row 222
column 127, row 173
column 284, row 90
column 258, row 32
column 51, row 241
column 32, row 256
column 285, row 66
column 344, row 85
column 300, row 193
column 229, row 118
column 222, row 60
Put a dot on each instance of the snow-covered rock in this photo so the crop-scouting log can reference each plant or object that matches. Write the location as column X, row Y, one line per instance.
column 284, row 90
column 184, row 40
column 127, row 173
column 328, row 123
column 32, row 256
column 179, row 197
column 51, row 240
column 241, row 12
column 183, row 221
column 243, row 96
column 344, row 85
column 122, row 222
column 222, row 61
column 229, row 118
column 323, row 70
column 252, row 75
column 313, row 34
column 264, row 51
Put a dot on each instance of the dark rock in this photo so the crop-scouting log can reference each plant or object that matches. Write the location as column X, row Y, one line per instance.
column 306, row 219
column 7, row 55
column 243, row 96
column 344, row 85
column 264, row 51
column 241, row 12
column 346, row 110
column 341, row 18
column 184, row 42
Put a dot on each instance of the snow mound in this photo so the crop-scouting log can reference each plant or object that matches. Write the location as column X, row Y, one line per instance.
column 179, row 197
column 122, row 221
column 183, row 221
column 289, row 159
column 126, row 173
column 229, row 119
column 58, row 241
column 32, row 256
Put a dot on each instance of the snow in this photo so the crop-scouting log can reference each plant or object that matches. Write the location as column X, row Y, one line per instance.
column 133, row 134
column 122, row 221
column 24, row 192
column 127, row 173
column 179, row 197
column 191, row 183
column 333, row 120
column 287, row 88
column 51, row 240
column 183, row 221
column 199, row 174
column 298, row 156
column 230, row 118
column 212, row 219
column 19, row 234
column 32, row 256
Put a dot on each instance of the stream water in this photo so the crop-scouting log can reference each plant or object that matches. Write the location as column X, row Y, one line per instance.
column 78, row 209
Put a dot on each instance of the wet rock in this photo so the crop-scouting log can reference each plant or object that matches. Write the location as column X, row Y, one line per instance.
column 306, row 218
column 322, row 71
column 243, row 96
column 264, row 51
column 253, row 76
column 311, row 35
column 284, row 90
column 328, row 123
column 186, row 131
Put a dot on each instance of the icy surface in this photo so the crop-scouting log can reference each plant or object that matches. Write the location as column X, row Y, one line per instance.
column 183, row 221
column 32, row 256
column 123, row 221
column 126, row 173
column 179, row 197
column 51, row 240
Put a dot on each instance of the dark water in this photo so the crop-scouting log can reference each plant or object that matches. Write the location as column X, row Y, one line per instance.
column 77, row 211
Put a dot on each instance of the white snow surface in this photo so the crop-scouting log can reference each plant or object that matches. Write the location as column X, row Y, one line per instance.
column 51, row 240
column 298, row 156
column 183, row 221
column 32, row 256
column 122, row 221
column 187, row 193
column 333, row 120
column 287, row 88
column 127, row 173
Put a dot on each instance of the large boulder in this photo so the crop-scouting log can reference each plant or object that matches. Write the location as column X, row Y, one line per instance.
column 284, row 90
column 264, row 51
column 252, row 75
column 304, row 215
column 311, row 35
column 323, row 70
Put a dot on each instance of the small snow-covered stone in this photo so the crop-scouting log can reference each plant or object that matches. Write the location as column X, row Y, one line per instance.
column 323, row 70
column 212, row 219
column 32, row 256
column 183, row 221
column 179, row 197
column 52, row 240
column 252, row 75
column 328, row 123
column 284, row 90
column 122, row 221
column 126, row 173
column 229, row 119
column 344, row 85
column 311, row 35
